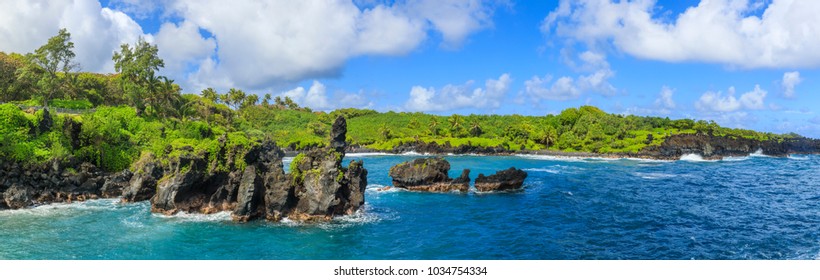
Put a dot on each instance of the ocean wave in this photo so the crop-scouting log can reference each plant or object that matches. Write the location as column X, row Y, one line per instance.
column 590, row 159
column 376, row 189
column 734, row 158
column 653, row 175
column 66, row 208
column 365, row 215
column 548, row 170
column 798, row 158
column 694, row 158
column 553, row 158
column 196, row 217
column 758, row 153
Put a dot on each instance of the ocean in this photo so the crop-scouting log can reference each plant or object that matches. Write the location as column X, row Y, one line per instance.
column 753, row 207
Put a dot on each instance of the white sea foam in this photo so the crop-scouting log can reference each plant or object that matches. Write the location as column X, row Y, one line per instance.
column 588, row 159
column 735, row 158
column 548, row 170
column 758, row 153
column 552, row 158
column 379, row 189
column 693, row 158
column 64, row 208
column 197, row 217
column 654, row 175
column 798, row 158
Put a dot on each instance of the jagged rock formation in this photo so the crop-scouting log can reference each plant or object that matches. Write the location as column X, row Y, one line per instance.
column 505, row 180
column 55, row 181
column 428, row 174
column 317, row 188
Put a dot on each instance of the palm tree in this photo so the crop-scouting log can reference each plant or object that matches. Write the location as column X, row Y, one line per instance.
column 434, row 126
column 475, row 127
column 455, row 124
column 384, row 130
column 550, row 136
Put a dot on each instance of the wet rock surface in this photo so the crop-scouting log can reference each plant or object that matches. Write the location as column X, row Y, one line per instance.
column 428, row 174
column 504, row 180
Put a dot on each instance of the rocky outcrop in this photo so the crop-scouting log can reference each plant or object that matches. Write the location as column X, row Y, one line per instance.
column 143, row 183
column 717, row 147
column 181, row 189
column 17, row 196
column 505, row 180
column 317, row 188
column 55, row 181
column 323, row 188
column 428, row 174
column 116, row 183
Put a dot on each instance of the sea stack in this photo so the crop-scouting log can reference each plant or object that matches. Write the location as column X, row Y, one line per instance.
column 505, row 180
column 317, row 189
column 430, row 175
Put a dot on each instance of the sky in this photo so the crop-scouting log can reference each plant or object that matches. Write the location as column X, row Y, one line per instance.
column 743, row 63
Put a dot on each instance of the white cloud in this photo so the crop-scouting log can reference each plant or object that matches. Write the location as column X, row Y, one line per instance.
column 263, row 44
column 451, row 97
column 182, row 47
column 716, row 102
column 453, row 19
column 790, row 81
column 316, row 98
column 719, row 31
column 96, row 31
column 564, row 88
column 754, row 99
column 664, row 100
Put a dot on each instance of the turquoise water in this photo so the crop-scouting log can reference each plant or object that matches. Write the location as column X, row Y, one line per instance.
column 743, row 208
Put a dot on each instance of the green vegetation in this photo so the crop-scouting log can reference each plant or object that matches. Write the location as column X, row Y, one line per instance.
column 134, row 115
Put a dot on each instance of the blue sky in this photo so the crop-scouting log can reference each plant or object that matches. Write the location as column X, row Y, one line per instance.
column 745, row 64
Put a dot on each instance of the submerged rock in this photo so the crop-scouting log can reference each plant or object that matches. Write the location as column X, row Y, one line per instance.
column 428, row 174
column 510, row 179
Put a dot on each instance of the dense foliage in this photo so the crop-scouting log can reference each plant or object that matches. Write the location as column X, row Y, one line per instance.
column 119, row 118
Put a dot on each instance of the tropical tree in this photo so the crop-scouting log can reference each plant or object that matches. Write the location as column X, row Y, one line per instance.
column 249, row 100
column 210, row 94
column 475, row 127
column 434, row 126
column 385, row 131
column 456, row 125
column 52, row 65
column 137, row 67
column 266, row 100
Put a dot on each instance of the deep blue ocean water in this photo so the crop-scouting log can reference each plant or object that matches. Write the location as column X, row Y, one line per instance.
column 742, row 208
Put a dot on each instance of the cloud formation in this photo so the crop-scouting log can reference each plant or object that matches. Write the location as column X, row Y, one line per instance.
column 452, row 97
column 739, row 33
column 265, row 43
column 664, row 100
column 96, row 31
column 316, row 98
column 567, row 88
column 717, row 102
column 245, row 44
column 790, row 81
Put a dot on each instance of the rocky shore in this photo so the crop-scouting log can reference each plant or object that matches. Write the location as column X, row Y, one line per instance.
column 675, row 146
column 256, row 186
column 317, row 188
